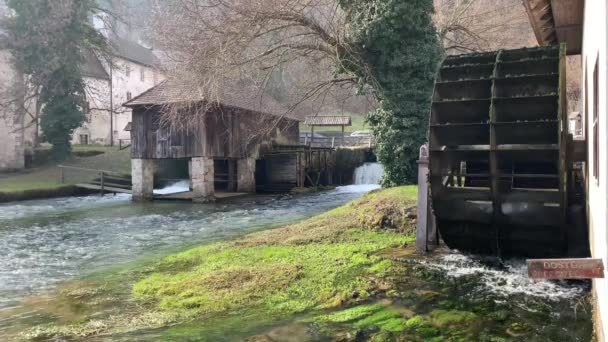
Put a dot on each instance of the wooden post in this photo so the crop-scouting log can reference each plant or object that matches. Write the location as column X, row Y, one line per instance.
column 101, row 181
column 312, row 135
column 342, row 135
column 333, row 142
column 231, row 175
column 425, row 230
column 61, row 175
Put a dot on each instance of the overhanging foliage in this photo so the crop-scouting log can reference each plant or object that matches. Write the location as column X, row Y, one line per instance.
column 398, row 43
column 47, row 38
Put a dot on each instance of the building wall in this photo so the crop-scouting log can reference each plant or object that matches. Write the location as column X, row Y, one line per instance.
column 133, row 84
column 97, row 124
column 226, row 133
column 126, row 78
column 595, row 37
column 11, row 119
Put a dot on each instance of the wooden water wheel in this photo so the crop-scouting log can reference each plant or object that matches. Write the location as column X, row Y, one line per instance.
column 498, row 152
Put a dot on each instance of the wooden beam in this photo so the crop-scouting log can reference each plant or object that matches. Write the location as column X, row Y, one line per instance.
column 471, row 194
column 532, row 195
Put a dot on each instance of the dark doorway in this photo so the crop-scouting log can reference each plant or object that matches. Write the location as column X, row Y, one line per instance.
column 225, row 175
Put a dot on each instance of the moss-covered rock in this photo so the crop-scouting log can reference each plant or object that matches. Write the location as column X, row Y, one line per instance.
column 444, row 318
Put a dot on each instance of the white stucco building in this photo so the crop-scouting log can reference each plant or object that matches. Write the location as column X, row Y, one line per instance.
column 11, row 121
column 132, row 70
column 583, row 26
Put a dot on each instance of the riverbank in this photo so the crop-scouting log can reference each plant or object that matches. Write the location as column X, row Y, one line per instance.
column 43, row 181
column 42, row 193
column 348, row 274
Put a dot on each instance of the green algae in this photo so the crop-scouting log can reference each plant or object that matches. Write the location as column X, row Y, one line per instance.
column 351, row 314
column 330, row 274
column 325, row 262
column 282, row 279
column 378, row 316
column 443, row 318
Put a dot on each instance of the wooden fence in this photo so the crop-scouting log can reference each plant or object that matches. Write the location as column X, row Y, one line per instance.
column 337, row 141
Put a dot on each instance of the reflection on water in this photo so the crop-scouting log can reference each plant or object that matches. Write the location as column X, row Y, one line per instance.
column 45, row 242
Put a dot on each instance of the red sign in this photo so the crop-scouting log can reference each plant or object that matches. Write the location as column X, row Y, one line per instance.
column 565, row 268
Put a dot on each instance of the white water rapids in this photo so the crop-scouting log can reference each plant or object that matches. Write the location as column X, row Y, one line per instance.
column 369, row 173
column 177, row 187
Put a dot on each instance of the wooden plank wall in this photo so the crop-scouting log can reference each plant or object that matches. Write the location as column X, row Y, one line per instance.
column 227, row 133
column 282, row 168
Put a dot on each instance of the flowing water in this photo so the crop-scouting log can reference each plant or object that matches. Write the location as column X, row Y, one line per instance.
column 369, row 173
column 181, row 186
column 46, row 242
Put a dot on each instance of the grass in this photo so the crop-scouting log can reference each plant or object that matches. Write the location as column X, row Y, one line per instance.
column 320, row 264
column 331, row 277
column 47, row 176
column 94, row 148
column 85, row 148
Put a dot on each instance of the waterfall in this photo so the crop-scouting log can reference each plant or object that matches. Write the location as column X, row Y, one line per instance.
column 177, row 187
column 369, row 173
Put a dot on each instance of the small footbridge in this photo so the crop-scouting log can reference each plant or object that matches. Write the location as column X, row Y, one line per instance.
column 95, row 180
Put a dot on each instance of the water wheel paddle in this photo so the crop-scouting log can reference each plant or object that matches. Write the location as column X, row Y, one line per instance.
column 498, row 144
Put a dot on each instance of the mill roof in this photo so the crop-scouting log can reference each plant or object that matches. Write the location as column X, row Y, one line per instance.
column 243, row 97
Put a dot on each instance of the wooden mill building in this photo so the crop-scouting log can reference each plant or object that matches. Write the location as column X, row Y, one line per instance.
column 238, row 145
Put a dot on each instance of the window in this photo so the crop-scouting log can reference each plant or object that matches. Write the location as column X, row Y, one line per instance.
column 129, row 96
column 128, row 70
column 84, row 139
column 143, row 75
column 596, row 124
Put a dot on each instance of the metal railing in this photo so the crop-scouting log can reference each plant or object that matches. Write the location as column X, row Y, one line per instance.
column 338, row 141
column 124, row 144
column 102, row 179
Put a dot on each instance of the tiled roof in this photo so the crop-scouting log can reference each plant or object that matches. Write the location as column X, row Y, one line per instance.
column 91, row 66
column 247, row 98
column 133, row 51
column 328, row 120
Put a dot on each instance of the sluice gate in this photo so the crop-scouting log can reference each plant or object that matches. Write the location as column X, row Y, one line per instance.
column 501, row 161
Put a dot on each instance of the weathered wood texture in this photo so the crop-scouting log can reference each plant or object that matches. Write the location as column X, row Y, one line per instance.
column 566, row 268
column 226, row 133
column 282, row 168
column 497, row 152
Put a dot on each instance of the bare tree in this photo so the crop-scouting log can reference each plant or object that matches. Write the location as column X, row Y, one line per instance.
column 210, row 44
column 468, row 26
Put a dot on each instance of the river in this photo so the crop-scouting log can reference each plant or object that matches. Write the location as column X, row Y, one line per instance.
column 45, row 242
